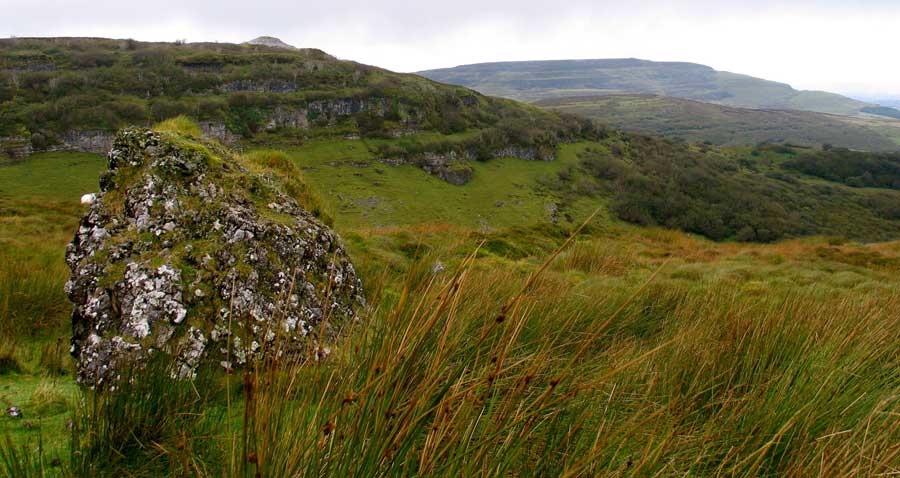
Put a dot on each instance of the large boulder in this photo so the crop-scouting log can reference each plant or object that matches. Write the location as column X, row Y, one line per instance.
column 194, row 252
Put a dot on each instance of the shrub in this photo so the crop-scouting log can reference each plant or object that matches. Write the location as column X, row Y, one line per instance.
column 38, row 141
column 659, row 183
column 371, row 125
column 162, row 109
column 853, row 168
column 129, row 111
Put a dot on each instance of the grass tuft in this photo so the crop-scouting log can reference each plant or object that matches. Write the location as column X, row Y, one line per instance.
column 181, row 125
column 47, row 399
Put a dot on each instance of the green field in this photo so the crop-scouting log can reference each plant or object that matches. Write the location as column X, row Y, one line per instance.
column 54, row 176
column 39, row 211
column 363, row 192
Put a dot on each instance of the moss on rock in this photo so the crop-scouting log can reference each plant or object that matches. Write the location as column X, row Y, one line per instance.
column 195, row 252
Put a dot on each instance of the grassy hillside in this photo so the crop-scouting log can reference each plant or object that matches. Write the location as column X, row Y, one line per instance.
column 632, row 351
column 536, row 80
column 366, row 135
column 697, row 122
column 740, row 193
column 61, row 92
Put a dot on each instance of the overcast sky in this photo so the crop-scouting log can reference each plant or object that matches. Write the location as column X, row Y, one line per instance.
column 847, row 46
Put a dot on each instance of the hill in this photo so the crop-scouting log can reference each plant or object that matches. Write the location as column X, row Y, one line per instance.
column 696, row 121
column 74, row 93
column 536, row 80
column 418, row 150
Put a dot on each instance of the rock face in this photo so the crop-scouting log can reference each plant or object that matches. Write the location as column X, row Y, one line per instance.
column 300, row 117
column 185, row 252
column 259, row 86
column 87, row 141
column 270, row 41
column 453, row 167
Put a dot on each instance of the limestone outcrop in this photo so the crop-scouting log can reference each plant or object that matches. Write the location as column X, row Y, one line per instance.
column 189, row 251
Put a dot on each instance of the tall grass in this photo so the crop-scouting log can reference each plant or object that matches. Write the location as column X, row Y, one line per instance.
column 30, row 294
column 510, row 368
column 34, row 310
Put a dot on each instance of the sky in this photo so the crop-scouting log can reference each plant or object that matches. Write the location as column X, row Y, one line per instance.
column 844, row 46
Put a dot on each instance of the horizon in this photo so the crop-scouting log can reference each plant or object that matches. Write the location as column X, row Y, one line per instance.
column 861, row 96
column 824, row 45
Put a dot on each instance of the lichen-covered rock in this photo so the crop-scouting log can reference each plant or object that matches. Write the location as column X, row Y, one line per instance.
column 187, row 252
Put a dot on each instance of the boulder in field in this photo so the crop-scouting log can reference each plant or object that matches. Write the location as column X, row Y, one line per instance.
column 195, row 252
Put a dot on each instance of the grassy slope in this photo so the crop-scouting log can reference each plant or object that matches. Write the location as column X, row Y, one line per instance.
column 695, row 121
column 755, row 340
column 363, row 192
column 50, row 87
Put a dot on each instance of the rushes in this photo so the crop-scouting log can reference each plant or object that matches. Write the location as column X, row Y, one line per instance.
column 576, row 369
column 475, row 375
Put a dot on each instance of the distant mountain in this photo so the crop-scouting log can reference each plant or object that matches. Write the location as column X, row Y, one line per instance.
column 696, row 121
column 538, row 80
column 889, row 101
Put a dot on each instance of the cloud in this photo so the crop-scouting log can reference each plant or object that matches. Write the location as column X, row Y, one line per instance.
column 825, row 44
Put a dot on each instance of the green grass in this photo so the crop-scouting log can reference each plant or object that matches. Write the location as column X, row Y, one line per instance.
column 46, row 404
column 746, row 359
column 634, row 352
column 39, row 210
column 363, row 192
column 55, row 176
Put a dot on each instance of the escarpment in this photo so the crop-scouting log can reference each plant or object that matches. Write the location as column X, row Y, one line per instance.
column 193, row 252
